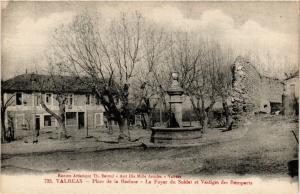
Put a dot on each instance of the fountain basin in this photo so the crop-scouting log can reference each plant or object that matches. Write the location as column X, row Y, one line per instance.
column 175, row 136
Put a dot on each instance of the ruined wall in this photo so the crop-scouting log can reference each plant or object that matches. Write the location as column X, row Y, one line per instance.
column 253, row 92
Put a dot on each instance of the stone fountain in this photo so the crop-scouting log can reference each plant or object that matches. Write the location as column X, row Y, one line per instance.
column 175, row 133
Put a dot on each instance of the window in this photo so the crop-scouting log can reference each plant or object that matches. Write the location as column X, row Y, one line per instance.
column 48, row 99
column 97, row 100
column 18, row 98
column 47, row 120
column 70, row 100
column 88, row 99
column 98, row 119
column 37, row 99
column 71, row 118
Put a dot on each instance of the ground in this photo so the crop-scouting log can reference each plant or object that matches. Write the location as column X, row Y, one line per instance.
column 263, row 146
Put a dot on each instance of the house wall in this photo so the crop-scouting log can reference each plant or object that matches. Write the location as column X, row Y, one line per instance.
column 251, row 91
column 24, row 115
column 288, row 87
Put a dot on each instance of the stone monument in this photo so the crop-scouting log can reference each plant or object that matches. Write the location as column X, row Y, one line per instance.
column 175, row 92
column 175, row 133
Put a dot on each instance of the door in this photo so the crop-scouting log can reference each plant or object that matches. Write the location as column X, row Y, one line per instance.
column 37, row 125
column 80, row 120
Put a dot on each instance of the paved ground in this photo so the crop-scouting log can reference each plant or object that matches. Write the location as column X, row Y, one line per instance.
column 263, row 147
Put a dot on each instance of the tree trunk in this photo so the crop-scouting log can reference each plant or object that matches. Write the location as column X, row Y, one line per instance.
column 151, row 120
column 143, row 121
column 62, row 134
column 199, row 113
column 110, row 129
column 226, row 112
column 147, row 120
column 60, row 119
column 34, row 132
column 3, row 127
column 209, row 112
column 120, row 115
column 124, row 132
column 203, row 120
column 208, row 117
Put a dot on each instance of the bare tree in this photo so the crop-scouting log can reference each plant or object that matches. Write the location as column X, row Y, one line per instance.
column 60, row 84
column 223, row 74
column 151, row 82
column 5, row 103
column 107, row 57
column 191, row 61
column 205, row 73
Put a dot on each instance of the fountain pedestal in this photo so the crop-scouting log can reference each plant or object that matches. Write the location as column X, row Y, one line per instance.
column 175, row 136
column 175, row 133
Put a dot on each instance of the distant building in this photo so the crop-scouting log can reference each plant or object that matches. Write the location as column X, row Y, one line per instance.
column 82, row 107
column 291, row 95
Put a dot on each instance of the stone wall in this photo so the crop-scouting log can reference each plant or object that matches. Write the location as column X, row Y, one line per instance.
column 253, row 92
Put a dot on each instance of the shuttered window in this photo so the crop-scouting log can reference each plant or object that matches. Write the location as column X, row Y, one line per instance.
column 18, row 98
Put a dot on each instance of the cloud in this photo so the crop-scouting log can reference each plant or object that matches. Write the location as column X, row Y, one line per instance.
column 249, row 37
column 28, row 44
column 31, row 38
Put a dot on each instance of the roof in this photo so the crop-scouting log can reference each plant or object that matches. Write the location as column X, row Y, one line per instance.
column 45, row 83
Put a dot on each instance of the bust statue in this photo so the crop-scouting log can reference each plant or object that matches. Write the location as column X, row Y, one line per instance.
column 175, row 88
column 175, row 76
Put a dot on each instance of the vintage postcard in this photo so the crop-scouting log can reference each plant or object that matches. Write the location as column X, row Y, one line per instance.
column 149, row 97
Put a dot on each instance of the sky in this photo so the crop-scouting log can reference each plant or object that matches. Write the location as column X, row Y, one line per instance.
column 268, row 30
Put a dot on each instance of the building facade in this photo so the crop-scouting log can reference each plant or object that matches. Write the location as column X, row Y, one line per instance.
column 291, row 95
column 83, row 109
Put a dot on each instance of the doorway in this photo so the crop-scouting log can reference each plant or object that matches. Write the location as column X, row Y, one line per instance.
column 37, row 123
column 80, row 120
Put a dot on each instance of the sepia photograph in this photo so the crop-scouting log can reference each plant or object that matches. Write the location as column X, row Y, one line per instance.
column 149, row 97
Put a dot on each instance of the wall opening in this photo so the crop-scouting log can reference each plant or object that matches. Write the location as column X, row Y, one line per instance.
column 275, row 106
column 71, row 118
